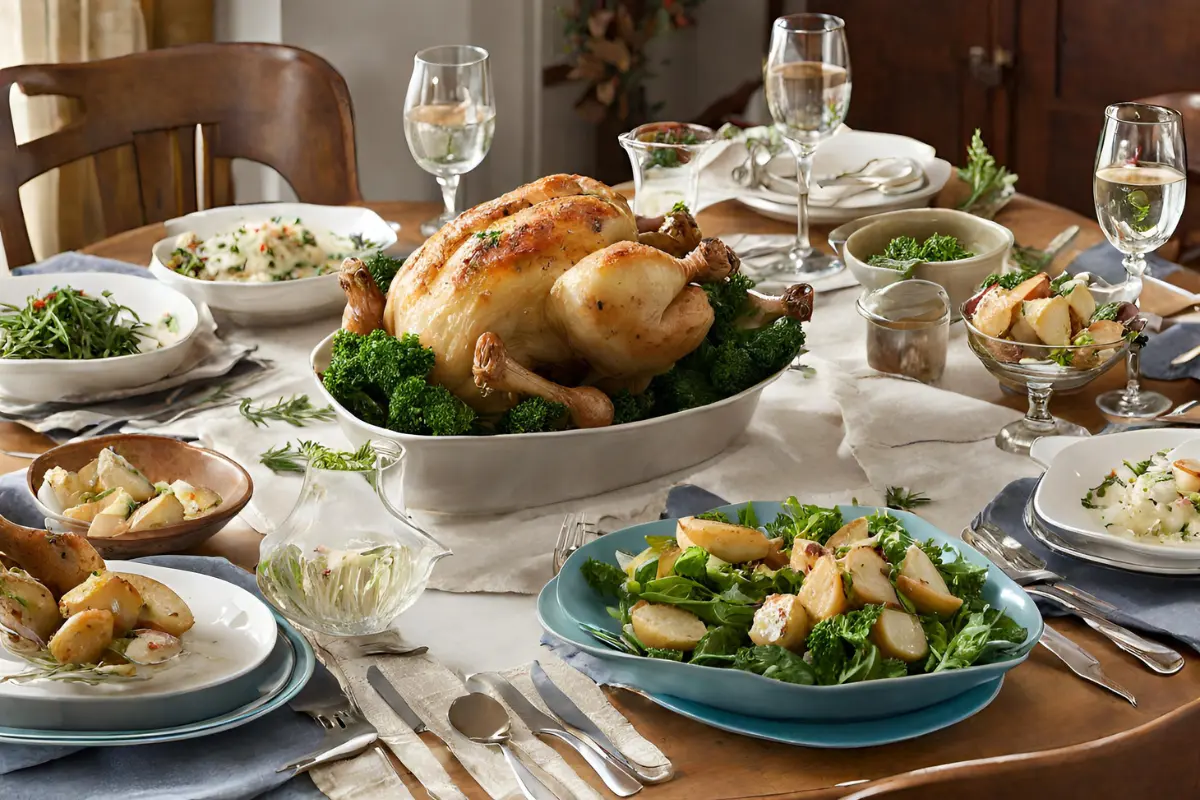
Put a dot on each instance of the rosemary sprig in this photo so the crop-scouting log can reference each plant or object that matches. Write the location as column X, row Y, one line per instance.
column 44, row 666
column 901, row 499
column 295, row 458
column 296, row 411
column 66, row 323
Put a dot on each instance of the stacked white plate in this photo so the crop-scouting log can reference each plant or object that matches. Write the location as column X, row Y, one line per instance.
column 1056, row 515
column 849, row 152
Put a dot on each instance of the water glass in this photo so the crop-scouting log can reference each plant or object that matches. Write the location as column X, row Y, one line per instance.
column 666, row 159
column 908, row 329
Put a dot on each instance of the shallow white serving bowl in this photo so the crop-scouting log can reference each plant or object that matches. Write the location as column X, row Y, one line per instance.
column 267, row 304
column 1076, row 464
column 487, row 474
column 233, row 634
column 42, row 380
column 989, row 241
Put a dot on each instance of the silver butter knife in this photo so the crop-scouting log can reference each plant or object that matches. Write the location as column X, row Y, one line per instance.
column 1082, row 663
column 1184, row 358
column 566, row 710
column 395, row 702
column 616, row 777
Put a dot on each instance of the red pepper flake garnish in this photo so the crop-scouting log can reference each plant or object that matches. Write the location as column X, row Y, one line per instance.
column 262, row 247
column 39, row 304
column 51, row 296
column 326, row 573
column 193, row 245
column 151, row 646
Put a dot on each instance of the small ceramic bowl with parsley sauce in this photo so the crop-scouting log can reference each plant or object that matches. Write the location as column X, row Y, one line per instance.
column 961, row 249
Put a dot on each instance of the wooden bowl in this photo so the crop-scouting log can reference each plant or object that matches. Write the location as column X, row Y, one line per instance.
column 160, row 458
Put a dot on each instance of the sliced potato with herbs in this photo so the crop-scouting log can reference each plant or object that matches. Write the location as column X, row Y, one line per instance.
column 196, row 500
column 66, row 487
column 158, row 513
column 666, row 627
column 59, row 561
column 86, row 512
column 33, row 605
column 736, row 544
column 162, row 609
column 870, row 583
column 848, row 534
column 147, row 647
column 922, row 584
column 107, row 590
column 822, row 592
column 781, row 620
column 666, row 561
column 88, row 474
column 83, row 638
column 805, row 556
column 899, row 634
column 113, row 519
column 115, row 472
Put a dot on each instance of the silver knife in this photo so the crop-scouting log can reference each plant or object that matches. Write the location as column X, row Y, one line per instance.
column 1184, row 358
column 1082, row 663
column 390, row 696
column 616, row 777
column 566, row 710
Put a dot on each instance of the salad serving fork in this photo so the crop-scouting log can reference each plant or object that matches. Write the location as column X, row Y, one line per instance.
column 576, row 529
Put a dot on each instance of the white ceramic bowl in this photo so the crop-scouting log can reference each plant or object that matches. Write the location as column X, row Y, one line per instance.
column 43, row 380
column 487, row 474
column 268, row 304
column 1076, row 464
column 989, row 241
column 233, row 634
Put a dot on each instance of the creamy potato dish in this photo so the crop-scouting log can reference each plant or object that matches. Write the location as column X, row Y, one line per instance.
column 1152, row 499
column 260, row 252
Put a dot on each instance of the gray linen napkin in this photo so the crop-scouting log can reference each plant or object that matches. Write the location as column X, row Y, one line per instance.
column 1174, row 341
column 1104, row 261
column 239, row 763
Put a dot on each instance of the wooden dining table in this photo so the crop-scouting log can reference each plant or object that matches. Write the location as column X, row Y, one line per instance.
column 1041, row 706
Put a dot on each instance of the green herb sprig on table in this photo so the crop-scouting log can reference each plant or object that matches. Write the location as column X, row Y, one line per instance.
column 902, row 499
column 904, row 252
column 66, row 323
column 670, row 157
column 987, row 180
column 296, row 411
column 296, row 458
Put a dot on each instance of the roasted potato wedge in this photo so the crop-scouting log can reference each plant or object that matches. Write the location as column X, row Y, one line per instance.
column 162, row 609
column 667, row 627
column 805, row 555
column 1083, row 305
column 158, row 513
column 733, row 543
column 822, row 592
column 114, row 472
column 781, row 620
column 59, row 561
column 196, row 500
column 109, row 591
column 1050, row 319
column 34, row 605
column 853, row 531
column 899, row 634
column 922, row 584
column 83, row 638
column 869, row 581
column 666, row 561
column 776, row 558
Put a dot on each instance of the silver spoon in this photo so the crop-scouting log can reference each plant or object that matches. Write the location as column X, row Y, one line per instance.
column 484, row 721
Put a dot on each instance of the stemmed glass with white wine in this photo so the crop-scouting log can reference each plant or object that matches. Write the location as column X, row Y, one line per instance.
column 807, row 84
column 1139, row 189
column 449, row 118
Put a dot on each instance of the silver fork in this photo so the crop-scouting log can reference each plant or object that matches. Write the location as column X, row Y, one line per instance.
column 576, row 528
column 1028, row 570
column 347, row 734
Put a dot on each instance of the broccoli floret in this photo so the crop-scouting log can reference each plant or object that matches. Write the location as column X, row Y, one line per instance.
column 420, row 408
column 532, row 415
column 383, row 269
column 388, row 360
column 728, row 301
column 682, row 388
column 345, row 345
column 632, row 407
column 346, row 380
column 733, row 369
column 775, row 345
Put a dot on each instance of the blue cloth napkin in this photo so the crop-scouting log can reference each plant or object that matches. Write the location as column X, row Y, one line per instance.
column 1104, row 261
column 1174, row 341
column 81, row 262
column 232, row 765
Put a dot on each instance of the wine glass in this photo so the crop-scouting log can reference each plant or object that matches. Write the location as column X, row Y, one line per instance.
column 807, row 85
column 1139, row 189
column 449, row 118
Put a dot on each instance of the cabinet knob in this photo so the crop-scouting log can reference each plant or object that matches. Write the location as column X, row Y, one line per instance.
column 987, row 68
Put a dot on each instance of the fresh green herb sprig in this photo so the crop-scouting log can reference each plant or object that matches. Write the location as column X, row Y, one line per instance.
column 987, row 180
column 904, row 252
column 902, row 499
column 296, row 458
column 66, row 323
column 296, row 411
column 670, row 157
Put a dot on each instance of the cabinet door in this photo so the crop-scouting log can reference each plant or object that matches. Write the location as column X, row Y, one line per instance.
column 1073, row 58
column 911, row 69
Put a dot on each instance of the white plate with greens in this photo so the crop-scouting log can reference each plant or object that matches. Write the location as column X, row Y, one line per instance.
column 53, row 345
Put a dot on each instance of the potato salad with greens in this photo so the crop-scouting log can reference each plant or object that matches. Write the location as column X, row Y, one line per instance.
column 1156, row 499
column 806, row 598
column 260, row 252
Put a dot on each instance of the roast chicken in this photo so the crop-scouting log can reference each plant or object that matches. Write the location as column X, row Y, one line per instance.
column 556, row 290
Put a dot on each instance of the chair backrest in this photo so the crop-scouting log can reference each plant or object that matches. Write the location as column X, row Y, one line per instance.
column 1144, row 762
column 280, row 106
column 1188, row 106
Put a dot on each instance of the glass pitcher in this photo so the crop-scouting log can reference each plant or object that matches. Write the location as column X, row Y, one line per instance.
column 347, row 560
column 666, row 160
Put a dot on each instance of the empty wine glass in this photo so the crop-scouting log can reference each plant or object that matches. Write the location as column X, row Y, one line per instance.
column 1139, row 189
column 449, row 118
column 807, row 85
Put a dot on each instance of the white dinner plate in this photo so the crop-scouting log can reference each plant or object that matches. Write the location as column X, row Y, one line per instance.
column 1076, row 464
column 43, row 380
column 233, row 634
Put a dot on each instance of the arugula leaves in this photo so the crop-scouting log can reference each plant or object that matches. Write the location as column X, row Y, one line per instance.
column 799, row 521
column 772, row 661
column 842, row 653
column 605, row 579
column 904, row 252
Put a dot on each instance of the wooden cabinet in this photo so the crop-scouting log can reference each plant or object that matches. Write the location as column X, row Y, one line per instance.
column 1034, row 75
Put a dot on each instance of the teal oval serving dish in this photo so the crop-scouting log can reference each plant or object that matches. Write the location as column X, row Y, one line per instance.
column 754, row 695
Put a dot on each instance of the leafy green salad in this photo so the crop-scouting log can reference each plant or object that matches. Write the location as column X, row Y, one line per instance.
column 807, row 598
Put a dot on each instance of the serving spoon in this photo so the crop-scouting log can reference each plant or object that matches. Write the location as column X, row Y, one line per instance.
column 484, row 721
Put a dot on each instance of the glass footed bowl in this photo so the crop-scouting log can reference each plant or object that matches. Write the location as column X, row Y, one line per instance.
column 1040, row 370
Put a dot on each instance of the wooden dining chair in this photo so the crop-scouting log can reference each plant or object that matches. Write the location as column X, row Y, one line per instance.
column 280, row 106
column 1143, row 762
column 1188, row 106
